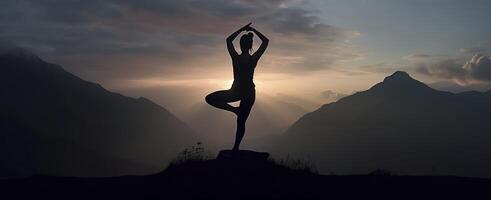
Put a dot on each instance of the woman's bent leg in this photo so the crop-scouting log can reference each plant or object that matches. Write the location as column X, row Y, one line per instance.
column 220, row 99
column 244, row 111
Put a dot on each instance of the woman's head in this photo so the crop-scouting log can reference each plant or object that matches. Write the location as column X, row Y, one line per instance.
column 246, row 42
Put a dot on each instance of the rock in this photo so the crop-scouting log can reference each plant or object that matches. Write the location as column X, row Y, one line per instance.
column 244, row 155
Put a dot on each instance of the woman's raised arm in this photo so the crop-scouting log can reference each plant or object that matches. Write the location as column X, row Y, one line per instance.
column 230, row 39
column 264, row 44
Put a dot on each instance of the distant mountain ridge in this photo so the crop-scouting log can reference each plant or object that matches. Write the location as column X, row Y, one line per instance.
column 399, row 124
column 53, row 122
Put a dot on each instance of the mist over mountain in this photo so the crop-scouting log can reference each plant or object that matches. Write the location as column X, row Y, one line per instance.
column 272, row 114
column 53, row 122
column 451, row 86
column 400, row 124
column 269, row 116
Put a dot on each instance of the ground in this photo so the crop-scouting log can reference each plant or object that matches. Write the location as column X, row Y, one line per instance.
column 245, row 179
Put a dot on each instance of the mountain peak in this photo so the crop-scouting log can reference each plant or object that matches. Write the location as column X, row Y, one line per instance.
column 400, row 82
column 399, row 75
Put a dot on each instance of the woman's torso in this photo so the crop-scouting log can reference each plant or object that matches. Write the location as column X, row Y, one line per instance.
column 243, row 67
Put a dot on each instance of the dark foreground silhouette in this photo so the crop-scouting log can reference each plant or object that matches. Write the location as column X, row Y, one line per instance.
column 244, row 179
column 243, row 88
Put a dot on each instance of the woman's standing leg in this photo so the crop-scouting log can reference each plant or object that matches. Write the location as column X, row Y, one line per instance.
column 244, row 110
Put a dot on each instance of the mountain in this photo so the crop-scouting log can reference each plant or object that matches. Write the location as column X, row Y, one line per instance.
column 53, row 122
column 400, row 124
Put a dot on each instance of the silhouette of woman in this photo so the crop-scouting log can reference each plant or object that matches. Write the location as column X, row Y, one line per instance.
column 243, row 86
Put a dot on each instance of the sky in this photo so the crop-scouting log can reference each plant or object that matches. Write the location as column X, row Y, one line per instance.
column 174, row 52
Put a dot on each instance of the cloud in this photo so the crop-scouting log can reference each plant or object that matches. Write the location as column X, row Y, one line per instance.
column 422, row 57
column 383, row 68
column 456, row 88
column 121, row 39
column 472, row 50
column 476, row 70
column 479, row 68
column 417, row 56
column 331, row 95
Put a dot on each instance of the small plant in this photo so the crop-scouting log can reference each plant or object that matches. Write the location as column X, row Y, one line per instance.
column 297, row 164
column 194, row 153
